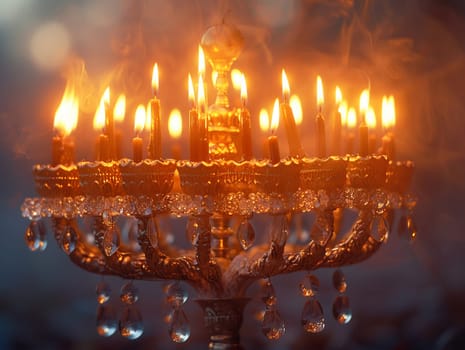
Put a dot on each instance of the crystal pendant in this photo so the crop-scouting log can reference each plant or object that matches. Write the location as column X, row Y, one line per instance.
column 69, row 240
column 309, row 285
column 106, row 320
column 411, row 228
column 313, row 320
column 35, row 236
column 129, row 293
column 192, row 230
column 130, row 324
column 103, row 291
column 179, row 328
column 111, row 240
column 268, row 294
column 176, row 295
column 380, row 228
column 339, row 281
column 273, row 325
column 320, row 231
column 246, row 234
column 152, row 232
column 341, row 309
column 279, row 229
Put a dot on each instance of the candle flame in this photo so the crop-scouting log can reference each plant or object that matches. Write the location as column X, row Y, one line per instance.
column 342, row 109
column 264, row 120
column 175, row 124
column 275, row 116
column 285, row 85
column 148, row 117
column 338, row 95
column 296, row 107
column 320, row 97
column 139, row 119
column 243, row 89
column 201, row 67
column 155, row 79
column 388, row 112
column 351, row 118
column 120, row 108
column 364, row 101
column 214, row 77
column 66, row 115
column 99, row 117
column 236, row 78
column 190, row 91
column 370, row 118
column 200, row 92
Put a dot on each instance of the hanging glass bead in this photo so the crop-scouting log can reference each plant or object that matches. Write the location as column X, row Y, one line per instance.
column 103, row 292
column 309, row 285
column 341, row 309
column 380, row 228
column 246, row 234
column 129, row 293
column 312, row 319
column 411, row 228
column 179, row 328
column 130, row 324
column 106, row 320
column 176, row 295
column 273, row 325
column 339, row 281
column 268, row 294
column 111, row 240
column 35, row 236
column 192, row 230
column 69, row 240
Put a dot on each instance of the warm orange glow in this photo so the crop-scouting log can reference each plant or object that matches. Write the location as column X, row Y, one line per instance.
column 201, row 67
column 120, row 108
column 342, row 109
column 320, row 96
column 351, row 118
column 370, row 118
column 148, row 117
column 388, row 112
column 236, row 77
column 214, row 77
column 66, row 115
column 155, row 79
column 296, row 107
column 264, row 120
column 243, row 89
column 285, row 86
column 201, row 92
column 275, row 116
column 338, row 96
column 139, row 119
column 364, row 101
column 190, row 91
column 175, row 124
column 99, row 118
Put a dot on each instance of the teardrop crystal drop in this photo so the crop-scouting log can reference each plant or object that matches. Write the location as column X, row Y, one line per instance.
column 380, row 228
column 341, row 309
column 273, row 325
column 129, row 293
column 111, row 240
column 69, row 240
column 179, row 328
column 339, row 281
column 35, row 236
column 268, row 294
column 103, row 292
column 152, row 232
column 411, row 228
column 130, row 324
column 309, row 285
column 106, row 320
column 192, row 230
column 246, row 234
column 279, row 229
column 176, row 295
column 313, row 320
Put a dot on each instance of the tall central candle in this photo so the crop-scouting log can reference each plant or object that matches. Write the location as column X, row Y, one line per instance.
column 155, row 128
column 351, row 124
column 119, row 112
column 264, row 121
column 337, row 126
column 320, row 121
column 139, row 123
column 193, row 123
column 246, row 126
column 273, row 143
column 203, row 122
column 99, row 124
column 363, row 128
column 388, row 119
column 175, row 131
column 371, row 123
column 109, row 125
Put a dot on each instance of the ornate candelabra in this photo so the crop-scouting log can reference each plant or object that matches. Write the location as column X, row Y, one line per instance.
column 219, row 190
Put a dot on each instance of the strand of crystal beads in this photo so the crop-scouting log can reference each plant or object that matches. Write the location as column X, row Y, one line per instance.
column 130, row 324
column 179, row 328
column 341, row 308
column 35, row 236
column 69, row 239
column 273, row 326
column 106, row 316
column 312, row 318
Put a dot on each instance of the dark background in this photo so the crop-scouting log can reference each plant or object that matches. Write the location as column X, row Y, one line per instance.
column 405, row 297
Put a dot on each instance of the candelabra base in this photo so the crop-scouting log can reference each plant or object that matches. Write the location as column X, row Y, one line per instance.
column 223, row 320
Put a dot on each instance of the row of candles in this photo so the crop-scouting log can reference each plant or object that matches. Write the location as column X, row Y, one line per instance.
column 289, row 112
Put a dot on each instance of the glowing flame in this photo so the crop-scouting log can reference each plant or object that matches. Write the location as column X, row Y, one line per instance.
column 214, row 77
column 296, row 107
column 320, row 97
column 243, row 89
column 66, row 115
column 139, row 119
column 200, row 92
column 120, row 108
column 364, row 101
column 285, row 86
column 264, row 120
column 155, row 79
column 370, row 118
column 201, row 67
column 236, row 78
column 175, row 124
column 190, row 91
column 338, row 96
column 342, row 109
column 275, row 116
column 99, row 118
column 388, row 112
column 351, row 118
column 148, row 117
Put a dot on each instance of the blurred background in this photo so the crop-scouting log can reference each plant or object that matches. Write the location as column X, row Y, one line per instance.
column 407, row 296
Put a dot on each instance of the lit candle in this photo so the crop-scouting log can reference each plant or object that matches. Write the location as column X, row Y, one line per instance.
column 371, row 123
column 388, row 118
column 273, row 144
column 175, row 131
column 155, row 128
column 363, row 128
column 109, row 125
column 264, row 121
column 119, row 112
column 351, row 124
column 245, row 123
column 201, row 73
column 203, row 122
column 296, row 107
column 193, row 123
column 293, row 138
column 337, row 130
column 320, row 121
column 139, row 124
column 99, row 124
